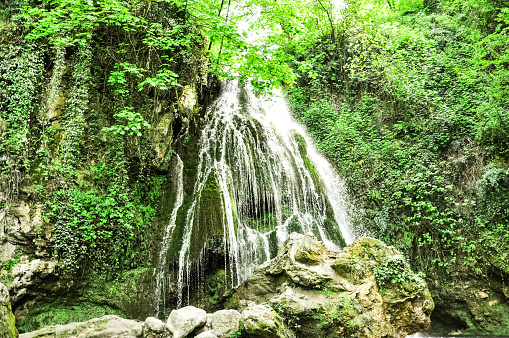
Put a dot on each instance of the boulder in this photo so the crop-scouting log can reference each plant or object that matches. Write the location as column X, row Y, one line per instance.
column 183, row 321
column 154, row 324
column 225, row 323
column 7, row 321
column 326, row 293
column 261, row 321
column 103, row 327
column 155, row 328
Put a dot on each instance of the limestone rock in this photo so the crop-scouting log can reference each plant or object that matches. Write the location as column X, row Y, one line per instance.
column 261, row 321
column 24, row 248
column 155, row 328
column 29, row 275
column 183, row 321
column 103, row 327
column 7, row 321
column 225, row 323
column 325, row 293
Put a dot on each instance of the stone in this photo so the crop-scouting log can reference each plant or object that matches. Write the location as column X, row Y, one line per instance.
column 207, row 334
column 103, row 327
column 155, row 324
column 326, row 293
column 206, row 327
column 261, row 321
column 155, row 328
column 183, row 321
column 225, row 323
column 7, row 321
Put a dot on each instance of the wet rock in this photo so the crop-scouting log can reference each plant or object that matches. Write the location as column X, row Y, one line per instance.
column 7, row 321
column 103, row 327
column 183, row 321
column 325, row 293
column 225, row 323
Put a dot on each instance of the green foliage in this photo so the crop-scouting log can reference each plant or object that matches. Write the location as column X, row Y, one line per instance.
column 134, row 122
column 19, row 87
column 103, row 230
column 70, row 22
column 396, row 271
column 411, row 104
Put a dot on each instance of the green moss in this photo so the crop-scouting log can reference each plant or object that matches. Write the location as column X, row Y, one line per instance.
column 209, row 216
column 215, row 287
column 301, row 142
column 63, row 312
column 494, row 322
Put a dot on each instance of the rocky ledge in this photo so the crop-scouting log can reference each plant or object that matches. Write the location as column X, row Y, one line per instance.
column 366, row 290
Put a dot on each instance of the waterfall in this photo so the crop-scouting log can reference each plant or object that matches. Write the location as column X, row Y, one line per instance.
column 258, row 178
column 160, row 278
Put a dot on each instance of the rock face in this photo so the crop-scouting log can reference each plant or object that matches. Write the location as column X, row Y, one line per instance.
column 23, row 247
column 7, row 322
column 104, row 327
column 367, row 290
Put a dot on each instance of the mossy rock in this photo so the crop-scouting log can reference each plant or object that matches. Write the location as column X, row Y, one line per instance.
column 7, row 320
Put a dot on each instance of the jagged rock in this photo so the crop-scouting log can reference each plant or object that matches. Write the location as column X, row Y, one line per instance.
column 225, row 323
column 325, row 293
column 7, row 321
column 207, row 334
column 29, row 275
column 261, row 321
column 183, row 321
column 103, row 327
column 23, row 247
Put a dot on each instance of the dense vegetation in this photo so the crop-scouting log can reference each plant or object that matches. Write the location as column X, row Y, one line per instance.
column 411, row 101
column 409, row 98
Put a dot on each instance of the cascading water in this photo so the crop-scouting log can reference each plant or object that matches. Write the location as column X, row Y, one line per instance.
column 178, row 182
column 258, row 178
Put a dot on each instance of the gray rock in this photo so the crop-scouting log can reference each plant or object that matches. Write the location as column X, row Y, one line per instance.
column 225, row 322
column 104, row 327
column 154, row 324
column 260, row 321
column 207, row 334
column 7, row 321
column 183, row 321
column 155, row 328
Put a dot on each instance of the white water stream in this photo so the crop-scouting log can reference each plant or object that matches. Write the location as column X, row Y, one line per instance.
column 271, row 180
column 178, row 182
